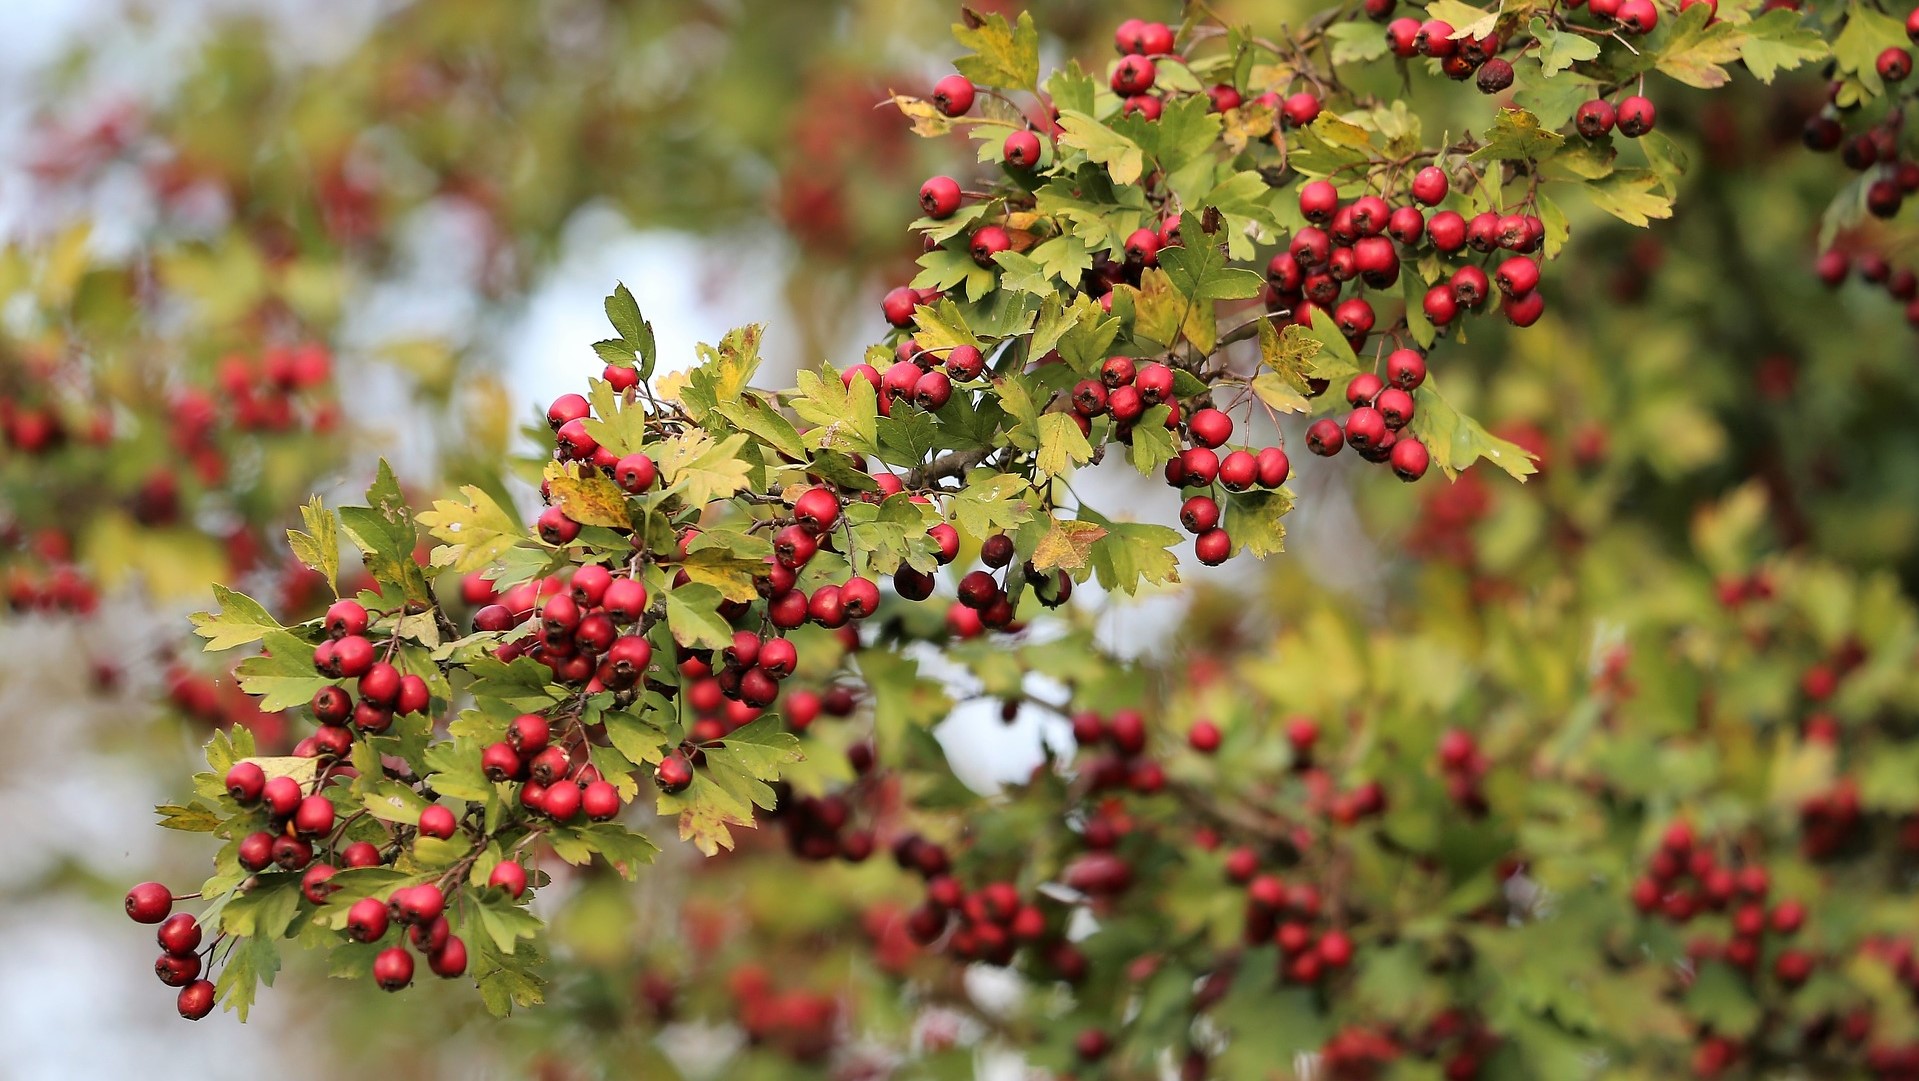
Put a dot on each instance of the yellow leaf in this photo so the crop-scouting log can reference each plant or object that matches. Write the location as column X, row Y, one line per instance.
column 585, row 496
column 701, row 470
column 1067, row 545
column 474, row 533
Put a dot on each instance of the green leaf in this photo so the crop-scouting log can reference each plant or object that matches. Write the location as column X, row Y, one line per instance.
column 1517, row 135
column 240, row 621
column 251, row 962
column 1154, row 444
column 1197, row 268
column 1356, row 42
column 1071, row 88
column 1061, row 444
column 1254, row 521
column 1467, row 21
column 1780, row 40
column 1697, row 47
column 1022, row 274
column 635, row 332
column 503, row 985
column 1124, row 159
column 1004, row 56
column 699, row 470
column 1867, row 33
column 384, row 532
column 1133, row 554
column 454, row 770
column 1457, row 441
column 845, row 416
column 692, row 614
column 195, row 817
column 1720, row 999
column 1561, row 49
column 1632, row 195
column 265, row 910
column 992, row 502
column 505, row 922
column 319, row 546
column 761, row 748
column 947, row 268
column 1184, row 132
column 283, row 677
column 723, row 372
column 472, row 534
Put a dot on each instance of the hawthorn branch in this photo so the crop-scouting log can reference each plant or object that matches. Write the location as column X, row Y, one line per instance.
column 953, row 464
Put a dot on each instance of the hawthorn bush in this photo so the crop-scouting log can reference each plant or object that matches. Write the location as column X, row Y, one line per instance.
column 1608, row 775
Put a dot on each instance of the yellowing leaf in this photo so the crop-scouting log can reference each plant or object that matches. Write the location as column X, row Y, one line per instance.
column 1067, row 545
column 1061, row 444
column 474, row 533
column 1005, row 56
column 585, row 496
column 1122, row 157
column 700, row 470
column 1631, row 195
column 1517, row 135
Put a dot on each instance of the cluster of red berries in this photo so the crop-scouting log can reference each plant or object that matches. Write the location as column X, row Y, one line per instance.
column 347, row 653
column 800, row 1024
column 1463, row 765
column 63, row 588
column 1837, row 263
column 558, row 780
column 578, row 636
column 276, row 393
column 421, row 910
column 1381, row 410
column 181, row 959
column 1462, row 1042
column 1685, row 880
column 1294, row 918
column 988, row 924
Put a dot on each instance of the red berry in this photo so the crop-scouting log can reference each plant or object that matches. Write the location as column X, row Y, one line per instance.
column 1409, row 458
column 314, row 816
column 1324, row 437
column 953, row 95
column 987, row 242
column 149, row 902
column 1430, row 185
column 1204, row 736
column 437, row 821
column 393, row 968
column 344, row 618
column 940, row 197
column 1636, row 117
column 1022, row 150
column 1213, row 547
column 196, row 1000
column 246, row 781
column 1199, row 514
column 366, row 920
column 1405, row 369
column 179, row 934
column 1133, row 75
column 509, row 876
column 1318, row 200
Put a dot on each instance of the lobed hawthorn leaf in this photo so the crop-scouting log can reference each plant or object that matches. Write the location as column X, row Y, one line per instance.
column 1517, row 135
column 1061, row 445
column 1198, row 270
column 1697, row 46
column 723, row 372
column 1132, row 554
column 1004, row 55
column 472, row 534
column 195, row 817
column 1021, row 273
column 1253, row 521
column 1779, row 40
column 503, row 985
column 1071, row 87
column 249, row 963
column 1287, row 355
column 319, row 546
column 240, row 621
column 844, row 415
column 1355, row 42
column 698, row 469
column 1561, row 49
column 1124, row 159
column 636, row 334
column 283, row 677
column 265, row 910
column 692, row 615
column 707, row 811
column 1634, row 196
column 1867, row 33
column 1457, row 441
column 1066, row 545
column 1154, row 444
column 1467, row 21
column 991, row 502
column 1253, row 122
column 586, row 495
column 384, row 532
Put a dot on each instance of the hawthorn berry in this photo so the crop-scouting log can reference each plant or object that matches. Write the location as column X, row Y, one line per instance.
column 1324, row 437
column 1213, row 547
column 1133, row 75
column 1430, row 185
column 1496, row 75
column 953, row 95
column 1636, row 117
column 673, row 774
column 1022, row 150
column 987, row 242
column 196, row 1000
